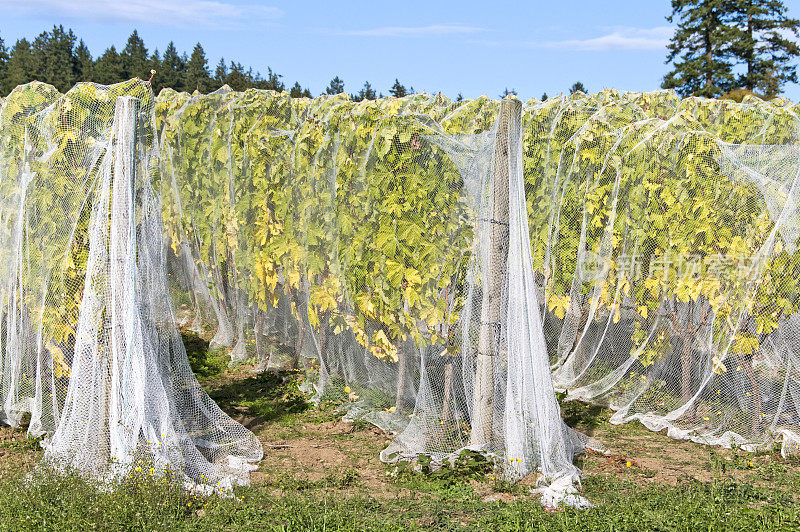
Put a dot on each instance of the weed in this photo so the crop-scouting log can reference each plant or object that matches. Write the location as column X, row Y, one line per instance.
column 205, row 362
column 23, row 445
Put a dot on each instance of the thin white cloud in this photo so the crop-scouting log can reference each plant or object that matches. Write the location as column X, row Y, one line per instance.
column 185, row 13
column 617, row 39
column 415, row 31
column 620, row 39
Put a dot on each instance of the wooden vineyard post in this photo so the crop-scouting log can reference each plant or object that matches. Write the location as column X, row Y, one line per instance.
column 122, row 258
column 494, row 276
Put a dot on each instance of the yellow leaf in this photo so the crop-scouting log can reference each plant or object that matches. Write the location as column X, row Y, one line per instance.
column 653, row 286
column 60, row 366
column 744, row 343
column 366, row 305
column 558, row 305
column 313, row 318
column 625, row 286
column 382, row 347
column 324, row 300
column 381, row 339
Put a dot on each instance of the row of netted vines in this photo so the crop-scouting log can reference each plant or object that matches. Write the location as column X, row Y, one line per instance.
column 436, row 266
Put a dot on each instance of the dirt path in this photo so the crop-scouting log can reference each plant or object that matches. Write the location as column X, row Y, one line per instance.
column 311, row 449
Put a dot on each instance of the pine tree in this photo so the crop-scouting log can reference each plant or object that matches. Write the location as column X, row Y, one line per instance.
column 296, row 91
column 53, row 58
column 84, row 66
column 271, row 82
column 460, row 98
column 763, row 46
column 544, row 97
column 108, row 69
column 700, row 50
column 577, row 87
column 508, row 92
column 3, row 57
column 398, row 90
column 336, row 86
column 134, row 58
column 221, row 73
column 299, row 92
column 366, row 93
column 3, row 60
column 369, row 92
column 197, row 75
column 19, row 68
column 173, row 70
column 237, row 77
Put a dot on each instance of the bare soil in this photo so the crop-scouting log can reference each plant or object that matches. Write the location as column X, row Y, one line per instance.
column 305, row 448
column 311, row 451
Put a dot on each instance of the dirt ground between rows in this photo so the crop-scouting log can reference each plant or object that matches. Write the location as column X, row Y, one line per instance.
column 311, row 451
column 314, row 450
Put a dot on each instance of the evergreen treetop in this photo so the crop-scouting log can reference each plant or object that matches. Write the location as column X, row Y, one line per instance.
column 398, row 90
column 336, row 86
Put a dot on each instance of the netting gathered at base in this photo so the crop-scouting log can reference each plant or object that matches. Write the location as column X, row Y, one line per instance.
column 438, row 267
column 89, row 346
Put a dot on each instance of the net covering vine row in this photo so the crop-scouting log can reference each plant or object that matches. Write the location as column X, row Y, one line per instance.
column 440, row 267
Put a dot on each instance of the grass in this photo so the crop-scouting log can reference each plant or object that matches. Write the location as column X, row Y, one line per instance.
column 51, row 502
column 322, row 474
column 206, row 362
column 268, row 396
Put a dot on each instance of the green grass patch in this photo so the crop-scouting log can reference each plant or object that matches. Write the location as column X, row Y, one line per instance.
column 268, row 396
column 747, row 491
column 28, row 444
column 50, row 502
column 206, row 363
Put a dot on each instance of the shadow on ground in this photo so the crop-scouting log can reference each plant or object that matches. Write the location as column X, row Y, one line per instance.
column 582, row 416
column 261, row 398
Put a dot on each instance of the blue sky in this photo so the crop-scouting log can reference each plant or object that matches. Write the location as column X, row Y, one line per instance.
column 467, row 46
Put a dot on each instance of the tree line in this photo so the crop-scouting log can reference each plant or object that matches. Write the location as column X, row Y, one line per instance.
column 719, row 48
column 59, row 58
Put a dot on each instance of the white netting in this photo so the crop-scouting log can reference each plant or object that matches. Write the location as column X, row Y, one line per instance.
column 667, row 259
column 439, row 267
column 384, row 246
column 89, row 345
column 651, row 242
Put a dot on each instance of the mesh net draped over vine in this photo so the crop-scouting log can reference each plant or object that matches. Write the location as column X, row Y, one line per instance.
column 89, row 346
column 372, row 244
column 438, row 267
column 662, row 260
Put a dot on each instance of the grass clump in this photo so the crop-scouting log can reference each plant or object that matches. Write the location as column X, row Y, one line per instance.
column 46, row 500
column 206, row 363
column 268, row 396
column 50, row 502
